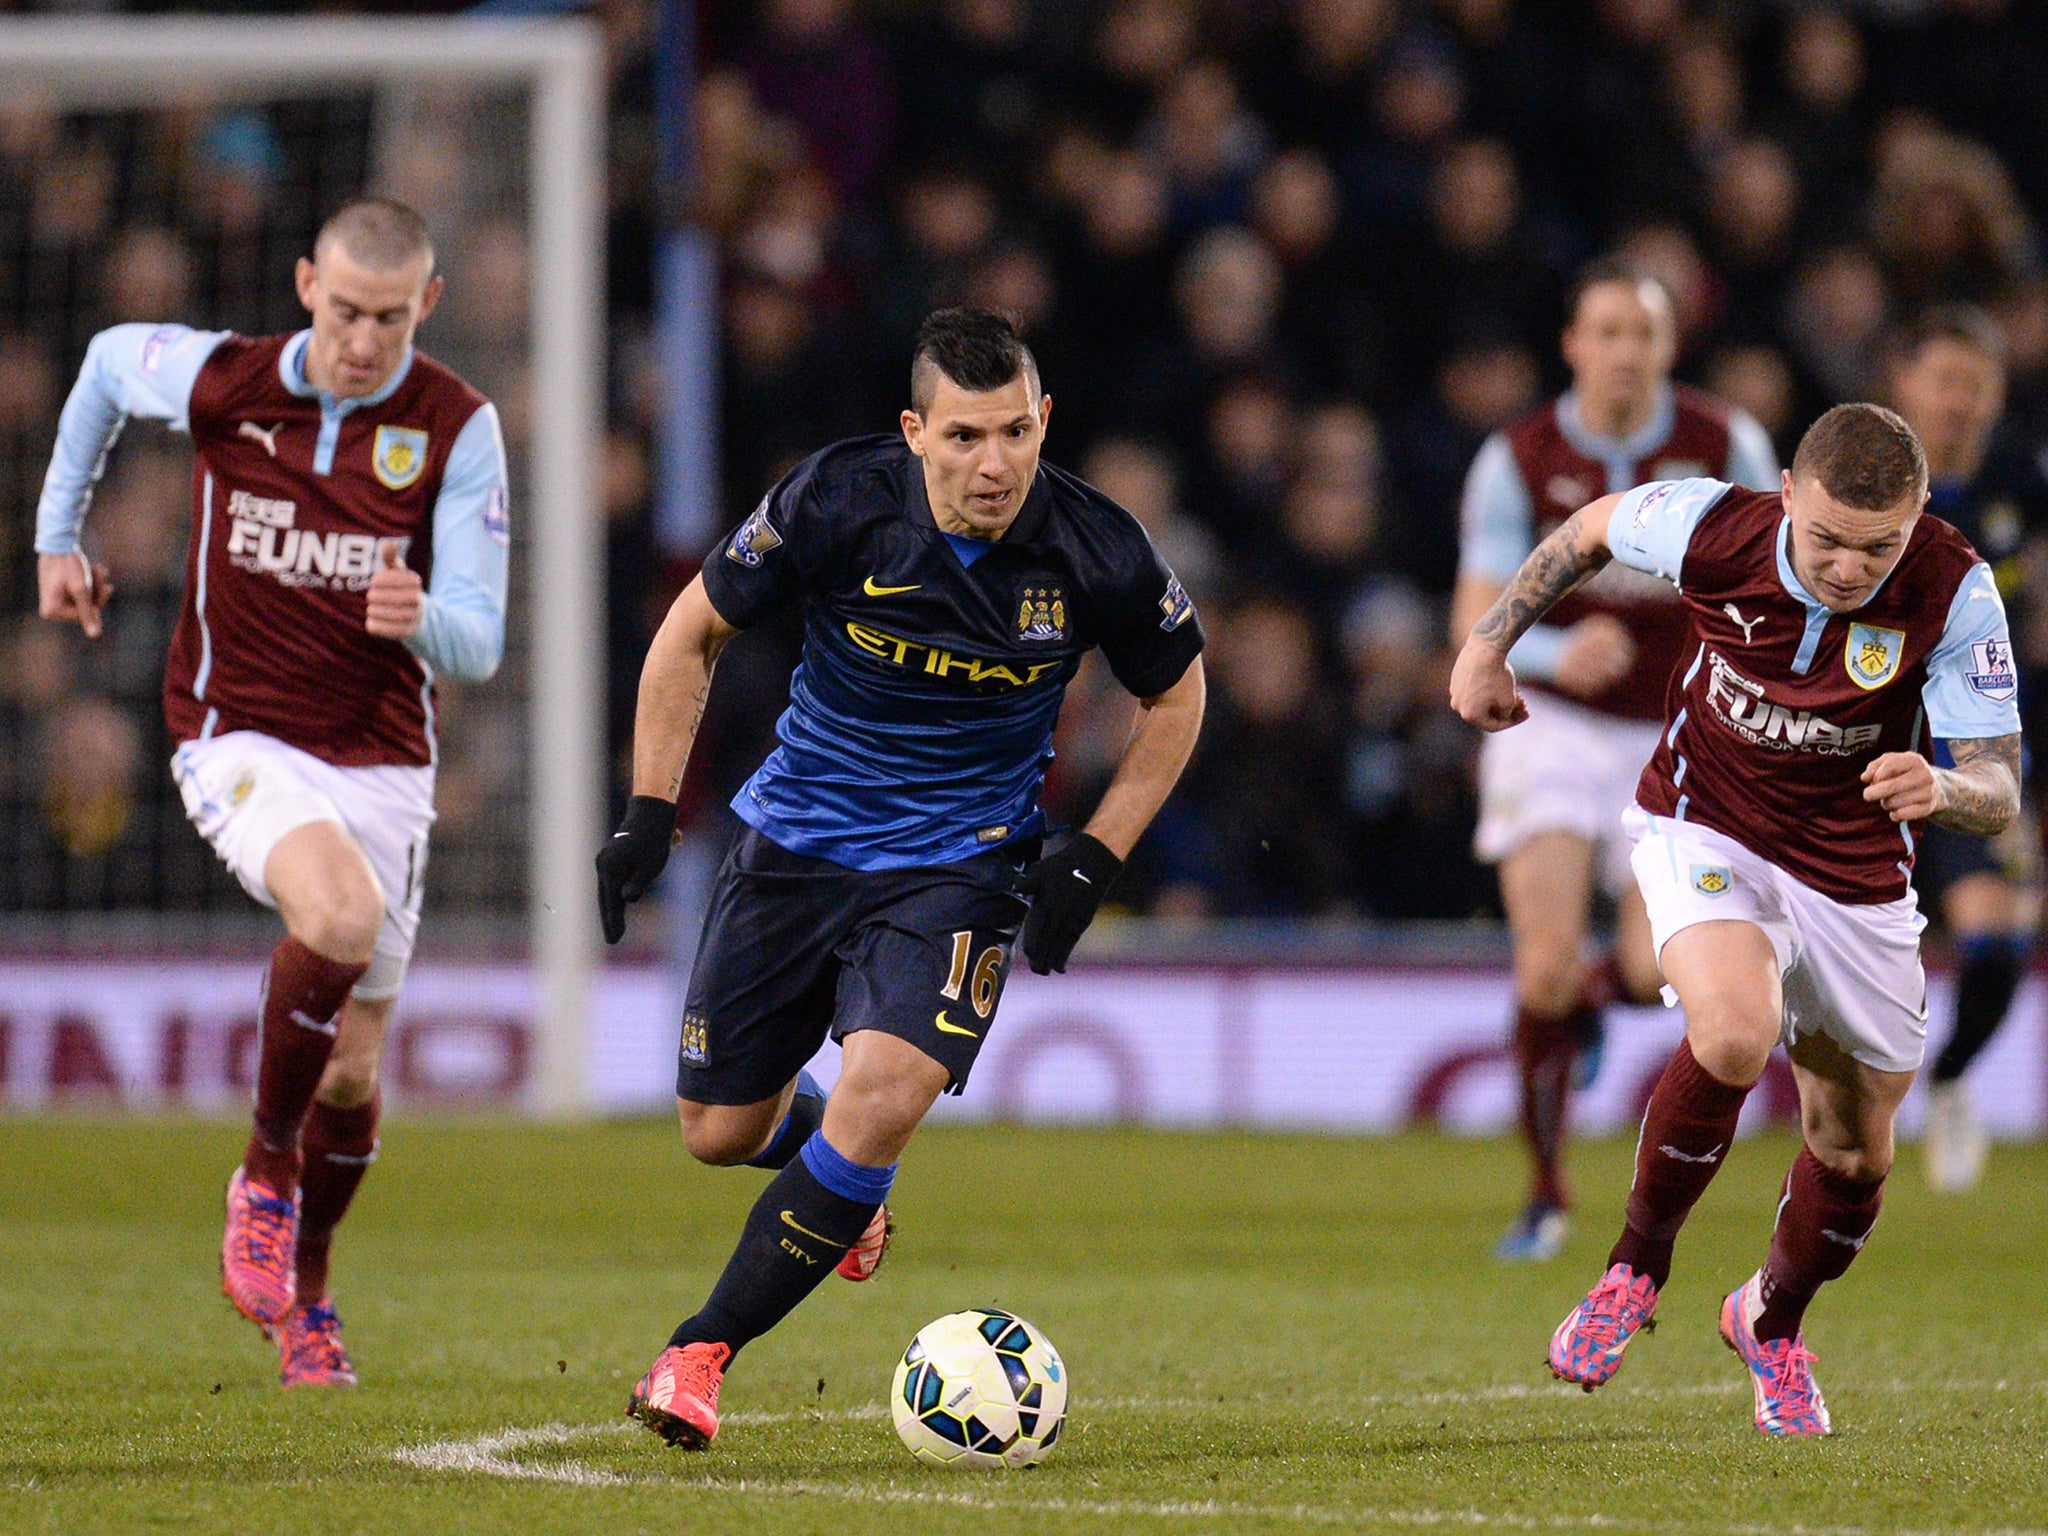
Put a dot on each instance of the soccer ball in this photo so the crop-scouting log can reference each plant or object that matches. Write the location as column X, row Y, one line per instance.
column 979, row 1389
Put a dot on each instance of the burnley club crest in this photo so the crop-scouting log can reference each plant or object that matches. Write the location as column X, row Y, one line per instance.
column 1874, row 654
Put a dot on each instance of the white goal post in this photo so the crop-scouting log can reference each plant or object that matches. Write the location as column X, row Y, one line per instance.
column 106, row 62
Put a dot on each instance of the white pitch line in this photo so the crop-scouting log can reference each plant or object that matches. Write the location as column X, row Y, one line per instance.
column 493, row 1455
column 486, row 1454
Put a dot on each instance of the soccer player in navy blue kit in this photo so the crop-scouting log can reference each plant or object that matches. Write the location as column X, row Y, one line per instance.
column 891, row 859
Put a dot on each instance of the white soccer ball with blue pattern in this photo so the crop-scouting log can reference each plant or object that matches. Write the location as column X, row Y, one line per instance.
column 979, row 1389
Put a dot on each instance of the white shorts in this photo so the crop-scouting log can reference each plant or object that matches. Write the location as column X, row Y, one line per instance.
column 244, row 791
column 1564, row 769
column 1850, row 972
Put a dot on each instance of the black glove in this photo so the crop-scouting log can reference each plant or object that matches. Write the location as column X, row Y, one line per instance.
column 1065, row 889
column 634, row 857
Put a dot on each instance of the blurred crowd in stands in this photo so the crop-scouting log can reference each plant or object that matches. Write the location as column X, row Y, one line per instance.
column 1284, row 262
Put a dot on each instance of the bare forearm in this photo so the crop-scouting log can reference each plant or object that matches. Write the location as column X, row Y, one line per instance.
column 1571, row 554
column 1471, row 599
column 675, row 685
column 1981, row 794
column 1161, row 742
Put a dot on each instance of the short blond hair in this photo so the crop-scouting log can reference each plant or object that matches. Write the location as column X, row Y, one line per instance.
column 380, row 232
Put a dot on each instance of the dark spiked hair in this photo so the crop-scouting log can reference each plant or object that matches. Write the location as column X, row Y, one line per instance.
column 1864, row 456
column 978, row 349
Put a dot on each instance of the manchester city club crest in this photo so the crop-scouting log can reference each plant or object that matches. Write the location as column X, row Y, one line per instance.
column 1711, row 879
column 696, row 1042
column 399, row 456
column 755, row 538
column 1042, row 614
column 1874, row 655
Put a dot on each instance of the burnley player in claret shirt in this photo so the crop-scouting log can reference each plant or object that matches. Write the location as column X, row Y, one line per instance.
column 1551, row 795
column 891, row 861
column 349, row 544
column 1839, row 633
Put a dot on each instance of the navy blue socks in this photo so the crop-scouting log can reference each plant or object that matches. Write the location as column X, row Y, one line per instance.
column 815, row 1209
column 806, row 1114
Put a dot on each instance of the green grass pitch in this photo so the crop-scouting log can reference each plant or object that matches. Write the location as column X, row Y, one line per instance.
column 1266, row 1333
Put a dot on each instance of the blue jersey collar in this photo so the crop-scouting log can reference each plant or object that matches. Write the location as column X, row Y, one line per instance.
column 291, row 372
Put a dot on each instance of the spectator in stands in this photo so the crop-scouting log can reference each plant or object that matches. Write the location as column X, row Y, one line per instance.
column 1266, row 781
column 817, row 64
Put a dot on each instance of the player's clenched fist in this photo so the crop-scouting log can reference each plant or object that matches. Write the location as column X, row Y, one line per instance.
column 632, row 859
column 1065, row 889
column 397, row 599
column 1483, row 689
column 73, row 587
column 1906, row 785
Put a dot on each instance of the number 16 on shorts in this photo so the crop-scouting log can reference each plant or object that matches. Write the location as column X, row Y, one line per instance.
column 975, row 977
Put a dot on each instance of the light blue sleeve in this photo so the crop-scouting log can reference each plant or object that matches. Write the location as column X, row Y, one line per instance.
column 130, row 370
column 1973, row 684
column 462, row 631
column 1752, row 461
column 1496, row 525
column 1653, row 524
column 1496, row 531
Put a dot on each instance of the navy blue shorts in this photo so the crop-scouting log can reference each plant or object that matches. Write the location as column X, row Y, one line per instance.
column 797, row 948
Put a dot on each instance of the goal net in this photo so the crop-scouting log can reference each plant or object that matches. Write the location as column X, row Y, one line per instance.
column 174, row 170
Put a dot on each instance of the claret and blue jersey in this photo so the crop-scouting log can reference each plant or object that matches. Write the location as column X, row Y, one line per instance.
column 920, row 719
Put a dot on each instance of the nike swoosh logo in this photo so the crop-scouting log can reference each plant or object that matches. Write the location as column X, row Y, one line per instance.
column 789, row 1220
column 307, row 1021
column 872, row 590
column 947, row 1027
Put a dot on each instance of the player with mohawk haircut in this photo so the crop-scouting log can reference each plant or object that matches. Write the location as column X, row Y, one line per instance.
column 891, row 861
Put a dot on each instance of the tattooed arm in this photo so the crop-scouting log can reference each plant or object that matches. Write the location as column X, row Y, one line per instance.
column 1483, row 684
column 1981, row 794
column 675, row 684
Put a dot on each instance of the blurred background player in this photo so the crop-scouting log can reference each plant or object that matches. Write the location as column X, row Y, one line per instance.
column 1948, row 379
column 350, row 533
column 1552, row 796
column 1774, row 833
column 951, row 586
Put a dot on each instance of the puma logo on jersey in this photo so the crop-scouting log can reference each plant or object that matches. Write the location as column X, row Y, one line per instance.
column 1748, row 626
column 1687, row 1157
column 266, row 436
